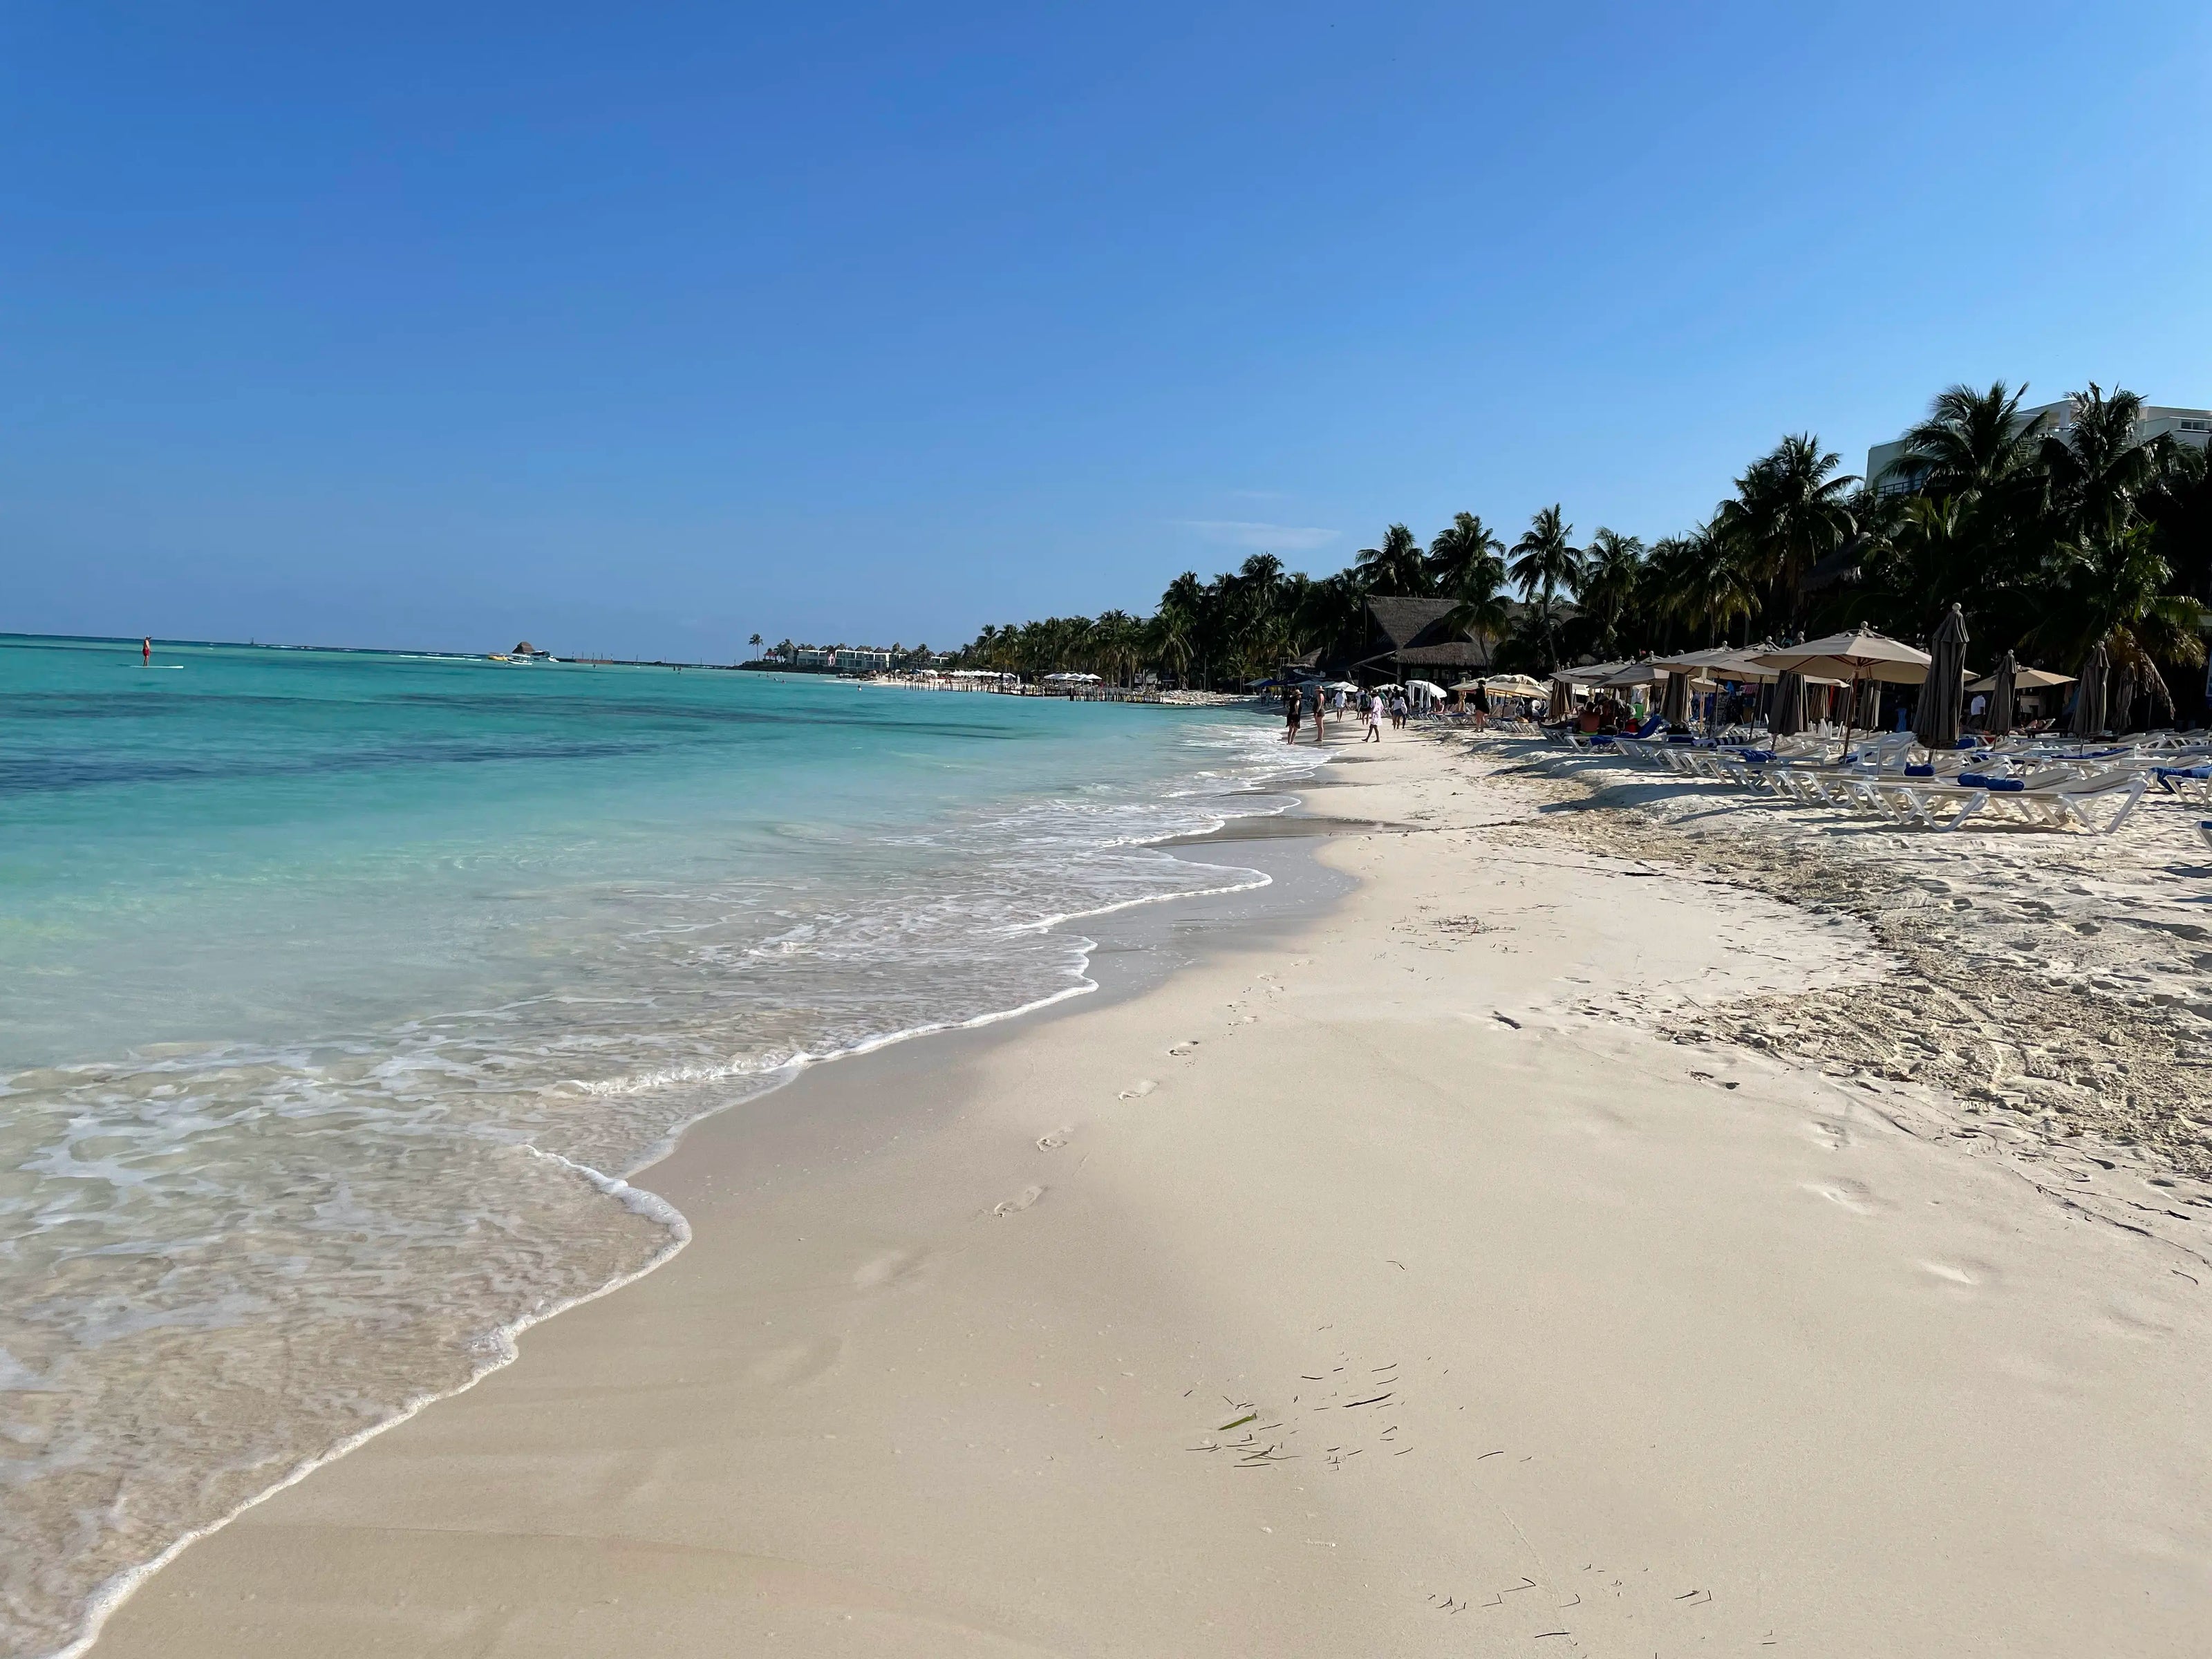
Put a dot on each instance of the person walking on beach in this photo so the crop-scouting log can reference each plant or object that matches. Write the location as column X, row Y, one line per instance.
column 1374, row 718
column 1320, row 708
column 1293, row 706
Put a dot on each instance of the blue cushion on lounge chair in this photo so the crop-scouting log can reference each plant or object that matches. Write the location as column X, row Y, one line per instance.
column 1975, row 780
column 1655, row 724
column 2009, row 786
column 1968, row 743
column 1919, row 771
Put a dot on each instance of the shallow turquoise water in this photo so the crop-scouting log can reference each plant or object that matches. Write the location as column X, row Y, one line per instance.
column 340, row 990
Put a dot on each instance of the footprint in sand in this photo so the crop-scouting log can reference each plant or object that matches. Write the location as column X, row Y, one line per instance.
column 1022, row 1201
column 1184, row 1047
column 1966, row 1275
column 1846, row 1196
column 1053, row 1141
column 2135, row 1318
column 1143, row 1087
column 795, row 1363
column 1829, row 1132
column 887, row 1268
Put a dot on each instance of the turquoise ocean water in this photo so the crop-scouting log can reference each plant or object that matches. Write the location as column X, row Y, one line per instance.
column 339, row 992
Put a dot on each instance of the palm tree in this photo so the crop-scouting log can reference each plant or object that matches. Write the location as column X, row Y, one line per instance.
column 1117, row 643
column 1331, row 614
column 1605, row 587
column 1460, row 551
column 1971, row 441
column 1545, row 565
column 2110, row 586
column 2181, row 507
column 1395, row 568
column 1255, row 625
column 1181, row 619
column 1937, row 554
column 1700, row 581
column 1789, row 512
column 755, row 643
column 2099, row 471
column 1480, row 611
column 1165, row 648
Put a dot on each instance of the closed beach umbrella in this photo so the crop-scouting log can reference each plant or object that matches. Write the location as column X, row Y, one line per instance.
column 2004, row 689
column 2120, row 700
column 1563, row 701
column 1866, row 705
column 2016, row 680
column 1942, row 693
column 1675, row 706
column 1787, row 719
column 2089, row 695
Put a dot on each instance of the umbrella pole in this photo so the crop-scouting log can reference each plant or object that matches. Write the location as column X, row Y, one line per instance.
column 1850, row 714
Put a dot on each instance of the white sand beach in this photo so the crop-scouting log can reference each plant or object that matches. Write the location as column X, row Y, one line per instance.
column 1477, row 1266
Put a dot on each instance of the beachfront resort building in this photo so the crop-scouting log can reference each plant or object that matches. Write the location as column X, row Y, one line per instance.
column 838, row 658
column 2188, row 426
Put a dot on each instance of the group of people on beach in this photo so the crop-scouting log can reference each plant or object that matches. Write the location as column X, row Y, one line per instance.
column 1373, row 704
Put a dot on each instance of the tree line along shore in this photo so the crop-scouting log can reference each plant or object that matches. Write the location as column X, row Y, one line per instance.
column 2052, row 539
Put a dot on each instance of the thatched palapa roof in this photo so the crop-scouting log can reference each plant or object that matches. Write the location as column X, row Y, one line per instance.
column 1413, row 633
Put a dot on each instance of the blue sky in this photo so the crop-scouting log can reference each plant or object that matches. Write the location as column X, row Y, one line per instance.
column 642, row 329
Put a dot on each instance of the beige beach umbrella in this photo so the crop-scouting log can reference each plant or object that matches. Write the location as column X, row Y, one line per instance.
column 1513, row 685
column 1719, row 662
column 1863, row 655
column 1741, row 663
column 2023, row 679
column 1857, row 656
column 1590, row 673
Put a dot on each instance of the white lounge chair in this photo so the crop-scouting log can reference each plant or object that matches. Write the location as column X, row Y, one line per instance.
column 2052, row 800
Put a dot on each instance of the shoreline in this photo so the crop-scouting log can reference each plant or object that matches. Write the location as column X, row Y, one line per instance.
column 1120, row 936
column 667, row 1448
